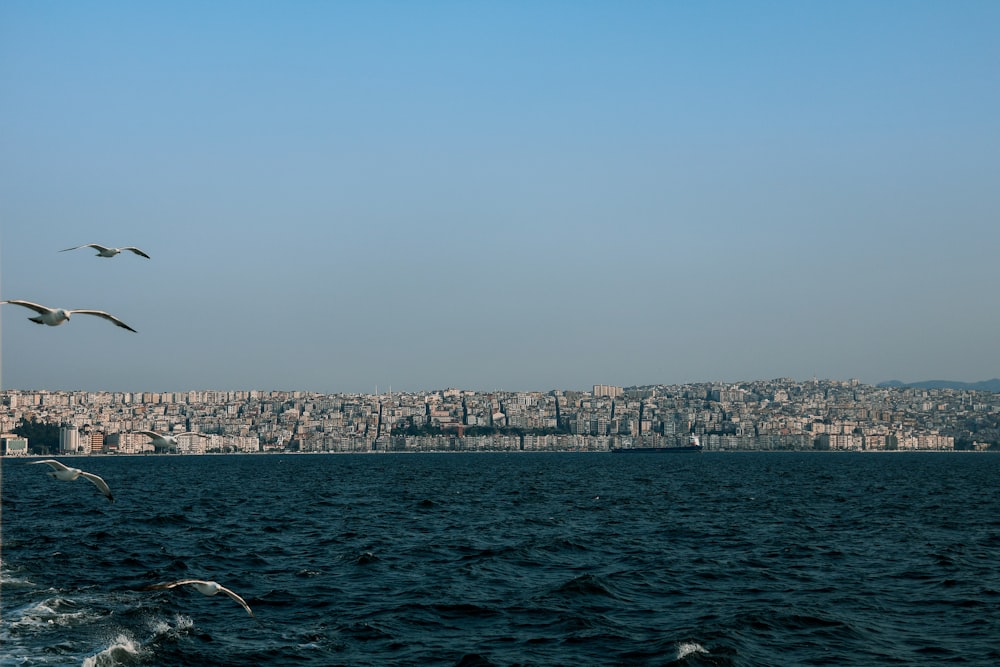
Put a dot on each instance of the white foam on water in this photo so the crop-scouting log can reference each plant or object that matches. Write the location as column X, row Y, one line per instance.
column 685, row 649
column 49, row 613
column 44, row 622
column 123, row 650
column 9, row 578
column 165, row 628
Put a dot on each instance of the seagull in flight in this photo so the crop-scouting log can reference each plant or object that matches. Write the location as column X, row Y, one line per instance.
column 159, row 440
column 103, row 251
column 203, row 587
column 66, row 474
column 56, row 316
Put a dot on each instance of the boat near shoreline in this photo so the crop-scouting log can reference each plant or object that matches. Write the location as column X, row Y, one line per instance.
column 694, row 445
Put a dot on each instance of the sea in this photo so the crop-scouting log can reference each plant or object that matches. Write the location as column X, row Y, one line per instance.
column 477, row 559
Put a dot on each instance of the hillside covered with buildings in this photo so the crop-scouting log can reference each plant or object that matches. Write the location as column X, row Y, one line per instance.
column 777, row 414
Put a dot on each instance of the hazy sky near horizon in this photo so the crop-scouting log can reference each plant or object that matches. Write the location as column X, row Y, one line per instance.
column 339, row 196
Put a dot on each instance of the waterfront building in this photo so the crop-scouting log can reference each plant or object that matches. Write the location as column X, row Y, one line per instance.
column 12, row 445
column 69, row 440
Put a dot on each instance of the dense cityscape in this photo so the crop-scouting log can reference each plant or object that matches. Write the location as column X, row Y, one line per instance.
column 777, row 414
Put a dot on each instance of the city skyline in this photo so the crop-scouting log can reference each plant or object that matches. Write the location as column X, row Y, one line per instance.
column 336, row 197
column 779, row 414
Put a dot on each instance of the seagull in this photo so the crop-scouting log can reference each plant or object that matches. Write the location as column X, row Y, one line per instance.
column 56, row 316
column 103, row 251
column 67, row 474
column 167, row 441
column 203, row 587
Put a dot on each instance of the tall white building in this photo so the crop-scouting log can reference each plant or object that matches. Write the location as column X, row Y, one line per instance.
column 69, row 440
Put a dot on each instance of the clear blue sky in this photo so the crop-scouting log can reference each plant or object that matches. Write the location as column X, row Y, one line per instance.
column 500, row 195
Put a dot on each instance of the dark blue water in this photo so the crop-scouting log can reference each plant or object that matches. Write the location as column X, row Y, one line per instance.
column 507, row 559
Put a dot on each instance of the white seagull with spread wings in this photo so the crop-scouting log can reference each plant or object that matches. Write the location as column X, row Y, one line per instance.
column 103, row 251
column 167, row 441
column 67, row 474
column 203, row 587
column 56, row 316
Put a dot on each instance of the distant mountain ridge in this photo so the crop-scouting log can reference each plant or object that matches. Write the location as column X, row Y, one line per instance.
column 985, row 385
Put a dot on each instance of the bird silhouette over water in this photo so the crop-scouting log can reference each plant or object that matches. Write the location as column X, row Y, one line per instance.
column 56, row 316
column 161, row 441
column 203, row 587
column 104, row 251
column 67, row 474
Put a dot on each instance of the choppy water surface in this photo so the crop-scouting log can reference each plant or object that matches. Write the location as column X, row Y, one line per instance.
column 504, row 559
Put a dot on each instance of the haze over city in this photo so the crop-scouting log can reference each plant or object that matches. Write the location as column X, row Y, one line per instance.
column 342, row 196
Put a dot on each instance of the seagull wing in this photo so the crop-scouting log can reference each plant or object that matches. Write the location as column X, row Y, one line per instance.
column 52, row 462
column 107, row 316
column 100, row 484
column 27, row 304
column 136, row 251
column 200, row 435
column 95, row 246
column 171, row 584
column 243, row 603
column 151, row 434
column 215, row 587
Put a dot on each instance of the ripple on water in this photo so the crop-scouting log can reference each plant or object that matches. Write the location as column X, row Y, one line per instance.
column 512, row 559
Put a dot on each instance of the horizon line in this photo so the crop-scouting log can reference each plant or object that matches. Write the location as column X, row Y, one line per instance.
column 815, row 379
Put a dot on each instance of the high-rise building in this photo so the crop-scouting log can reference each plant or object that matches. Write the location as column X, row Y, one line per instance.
column 69, row 440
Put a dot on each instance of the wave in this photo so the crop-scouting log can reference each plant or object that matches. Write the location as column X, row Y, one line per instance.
column 8, row 579
column 682, row 574
column 170, row 519
column 365, row 558
column 48, row 613
column 684, row 649
column 123, row 650
column 586, row 585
